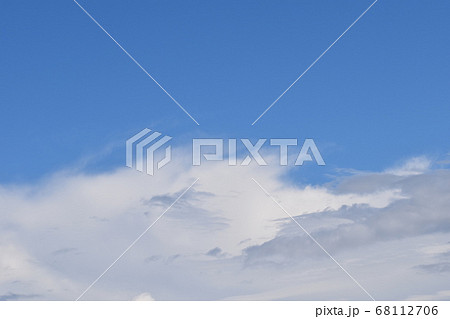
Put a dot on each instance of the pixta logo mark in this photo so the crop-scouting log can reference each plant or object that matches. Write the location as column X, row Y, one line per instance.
column 141, row 148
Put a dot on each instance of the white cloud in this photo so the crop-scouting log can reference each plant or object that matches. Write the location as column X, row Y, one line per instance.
column 71, row 226
column 413, row 166
column 143, row 297
column 24, row 277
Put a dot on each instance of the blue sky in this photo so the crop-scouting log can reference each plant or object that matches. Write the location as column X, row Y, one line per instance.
column 376, row 105
column 380, row 95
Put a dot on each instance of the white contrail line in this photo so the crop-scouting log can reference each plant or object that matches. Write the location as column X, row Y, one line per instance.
column 137, row 63
column 314, row 240
column 135, row 241
column 315, row 61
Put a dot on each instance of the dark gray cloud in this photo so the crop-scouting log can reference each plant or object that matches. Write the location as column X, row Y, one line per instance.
column 167, row 199
column 185, row 209
column 63, row 251
column 426, row 210
column 215, row 252
column 153, row 258
column 443, row 267
column 12, row 297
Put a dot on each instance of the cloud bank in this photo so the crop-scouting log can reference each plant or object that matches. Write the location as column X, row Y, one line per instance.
column 225, row 239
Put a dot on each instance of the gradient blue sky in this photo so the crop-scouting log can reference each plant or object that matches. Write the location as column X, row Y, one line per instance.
column 68, row 93
column 377, row 102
